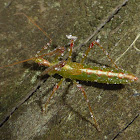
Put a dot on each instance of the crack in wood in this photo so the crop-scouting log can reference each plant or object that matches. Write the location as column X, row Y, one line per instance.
column 125, row 127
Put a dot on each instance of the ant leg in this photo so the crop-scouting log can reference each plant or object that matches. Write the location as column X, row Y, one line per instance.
column 54, row 90
column 105, row 52
column 90, row 110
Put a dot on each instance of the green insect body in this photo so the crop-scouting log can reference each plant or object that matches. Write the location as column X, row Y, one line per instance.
column 78, row 71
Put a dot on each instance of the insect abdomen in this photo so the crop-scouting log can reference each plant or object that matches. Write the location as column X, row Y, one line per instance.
column 100, row 75
column 108, row 75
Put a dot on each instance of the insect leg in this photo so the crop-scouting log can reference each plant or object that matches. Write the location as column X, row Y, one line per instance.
column 42, row 49
column 72, row 39
column 90, row 110
column 105, row 52
column 70, row 50
column 54, row 90
column 18, row 62
column 87, row 51
column 36, row 59
column 48, row 44
column 58, row 52
column 55, row 68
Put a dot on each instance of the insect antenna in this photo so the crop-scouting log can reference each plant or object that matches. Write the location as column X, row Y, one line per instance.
column 35, row 25
column 56, row 51
column 18, row 62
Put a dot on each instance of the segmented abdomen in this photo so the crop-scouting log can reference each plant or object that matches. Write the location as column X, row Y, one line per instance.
column 99, row 74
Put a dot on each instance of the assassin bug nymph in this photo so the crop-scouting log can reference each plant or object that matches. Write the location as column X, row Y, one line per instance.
column 78, row 71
